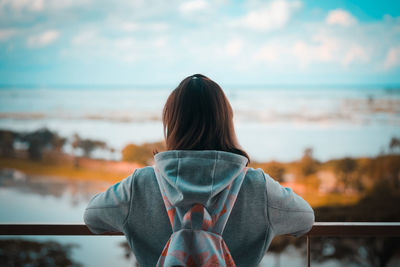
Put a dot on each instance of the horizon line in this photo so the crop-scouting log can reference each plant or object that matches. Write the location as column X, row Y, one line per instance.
column 393, row 86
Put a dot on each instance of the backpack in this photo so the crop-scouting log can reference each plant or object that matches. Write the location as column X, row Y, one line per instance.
column 197, row 230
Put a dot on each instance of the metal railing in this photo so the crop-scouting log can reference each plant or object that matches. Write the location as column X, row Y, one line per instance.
column 337, row 229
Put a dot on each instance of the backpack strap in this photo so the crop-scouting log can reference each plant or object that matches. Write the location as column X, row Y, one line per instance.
column 224, row 205
column 214, row 221
column 197, row 230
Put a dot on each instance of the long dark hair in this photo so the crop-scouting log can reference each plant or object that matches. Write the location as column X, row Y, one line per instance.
column 198, row 116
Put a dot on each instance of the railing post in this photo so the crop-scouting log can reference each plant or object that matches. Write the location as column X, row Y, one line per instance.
column 308, row 251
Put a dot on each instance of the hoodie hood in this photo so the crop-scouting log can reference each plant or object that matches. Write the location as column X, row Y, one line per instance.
column 199, row 189
column 188, row 177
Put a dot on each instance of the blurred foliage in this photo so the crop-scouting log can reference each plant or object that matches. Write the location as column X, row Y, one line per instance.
column 280, row 243
column 377, row 181
column 385, row 168
column 349, row 176
column 43, row 139
column 380, row 204
column 7, row 139
column 346, row 175
column 274, row 169
column 362, row 174
column 36, row 254
column 308, row 164
column 127, row 251
column 87, row 145
column 65, row 170
column 357, row 251
column 142, row 154
column 394, row 144
column 39, row 140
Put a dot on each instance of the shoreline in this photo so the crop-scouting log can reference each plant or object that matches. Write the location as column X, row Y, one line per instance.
column 316, row 188
column 89, row 170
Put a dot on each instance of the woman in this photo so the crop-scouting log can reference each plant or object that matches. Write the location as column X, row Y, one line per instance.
column 201, row 183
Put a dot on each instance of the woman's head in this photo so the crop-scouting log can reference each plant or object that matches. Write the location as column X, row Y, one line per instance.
column 198, row 116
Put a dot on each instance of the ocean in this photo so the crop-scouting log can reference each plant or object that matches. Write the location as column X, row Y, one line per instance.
column 271, row 122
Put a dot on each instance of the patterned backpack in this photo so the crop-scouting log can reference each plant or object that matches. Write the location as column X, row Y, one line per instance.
column 197, row 230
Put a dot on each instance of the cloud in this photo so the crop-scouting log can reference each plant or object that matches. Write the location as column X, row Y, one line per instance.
column 41, row 5
column 234, row 47
column 136, row 26
column 67, row 4
column 160, row 42
column 43, row 39
column 6, row 34
column 275, row 15
column 85, row 37
column 125, row 43
column 356, row 53
column 123, row 48
column 129, row 26
column 268, row 53
column 330, row 49
column 250, row 38
column 340, row 17
column 192, row 6
column 18, row 5
column 392, row 58
column 322, row 49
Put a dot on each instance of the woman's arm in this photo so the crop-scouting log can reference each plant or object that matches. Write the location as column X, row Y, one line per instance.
column 288, row 213
column 108, row 211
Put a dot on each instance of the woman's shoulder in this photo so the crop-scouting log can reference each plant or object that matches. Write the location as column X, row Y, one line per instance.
column 256, row 175
column 254, row 180
column 144, row 175
column 147, row 170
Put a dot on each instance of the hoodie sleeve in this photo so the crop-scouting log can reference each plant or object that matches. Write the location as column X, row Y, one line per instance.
column 288, row 213
column 108, row 211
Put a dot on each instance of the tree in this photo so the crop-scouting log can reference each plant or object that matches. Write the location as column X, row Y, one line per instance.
column 345, row 169
column 7, row 139
column 58, row 142
column 41, row 139
column 379, row 205
column 33, row 253
column 87, row 145
column 142, row 154
column 394, row 143
column 276, row 170
column 308, row 163
column 385, row 168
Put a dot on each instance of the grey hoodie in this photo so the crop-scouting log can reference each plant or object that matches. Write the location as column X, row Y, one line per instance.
column 263, row 208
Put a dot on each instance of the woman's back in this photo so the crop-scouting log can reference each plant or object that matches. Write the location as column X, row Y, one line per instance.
column 262, row 209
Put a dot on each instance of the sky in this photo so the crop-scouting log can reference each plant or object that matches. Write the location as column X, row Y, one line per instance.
column 150, row 42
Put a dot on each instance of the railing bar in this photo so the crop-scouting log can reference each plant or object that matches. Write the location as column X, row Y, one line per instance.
column 308, row 251
column 356, row 223
column 319, row 229
column 355, row 229
column 49, row 229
